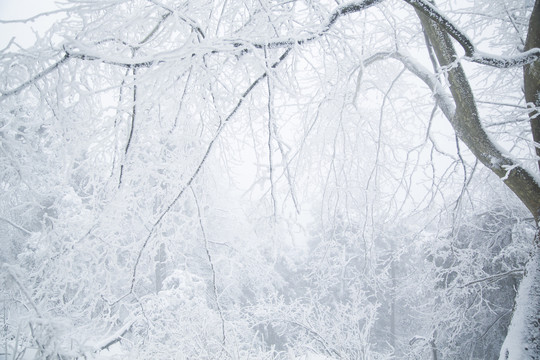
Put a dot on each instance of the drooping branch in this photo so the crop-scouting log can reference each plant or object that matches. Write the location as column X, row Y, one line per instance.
column 443, row 99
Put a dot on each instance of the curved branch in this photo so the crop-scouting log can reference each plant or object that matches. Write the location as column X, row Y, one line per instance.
column 24, row 85
column 429, row 11
column 342, row 10
column 444, row 102
column 116, row 337
column 471, row 54
column 422, row 6
column 212, row 268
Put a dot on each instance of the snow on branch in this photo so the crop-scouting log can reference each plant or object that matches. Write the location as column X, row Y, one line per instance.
column 496, row 277
column 342, row 10
column 227, row 45
column 524, row 58
column 18, row 227
column 471, row 54
column 116, row 337
column 24, row 85
column 444, row 101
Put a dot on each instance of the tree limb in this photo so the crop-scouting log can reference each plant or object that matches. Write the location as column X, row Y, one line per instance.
column 467, row 125
column 42, row 74
column 429, row 10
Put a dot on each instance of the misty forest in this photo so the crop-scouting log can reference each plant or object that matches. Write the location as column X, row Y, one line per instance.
column 271, row 179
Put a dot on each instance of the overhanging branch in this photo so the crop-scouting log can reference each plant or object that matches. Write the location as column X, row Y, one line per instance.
column 234, row 45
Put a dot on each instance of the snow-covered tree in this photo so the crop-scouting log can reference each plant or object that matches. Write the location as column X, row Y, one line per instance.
column 161, row 161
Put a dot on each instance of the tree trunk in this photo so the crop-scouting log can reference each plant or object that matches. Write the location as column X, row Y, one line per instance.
column 523, row 339
column 531, row 77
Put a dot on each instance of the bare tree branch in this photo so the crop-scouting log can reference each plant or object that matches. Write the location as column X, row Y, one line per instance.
column 18, row 227
column 42, row 74
column 495, row 277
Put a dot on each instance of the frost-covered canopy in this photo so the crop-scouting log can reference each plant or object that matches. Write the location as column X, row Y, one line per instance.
column 260, row 179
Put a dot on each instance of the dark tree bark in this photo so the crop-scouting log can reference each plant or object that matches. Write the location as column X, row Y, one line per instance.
column 466, row 123
column 523, row 338
column 531, row 77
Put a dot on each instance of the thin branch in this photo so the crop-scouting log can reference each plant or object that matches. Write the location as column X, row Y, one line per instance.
column 188, row 21
column 494, row 278
column 181, row 101
column 156, row 28
column 132, row 126
column 375, row 170
column 464, row 166
column 512, row 20
column 270, row 122
column 24, row 85
column 116, row 120
column 287, row 169
column 32, row 18
column 23, row 289
column 212, row 268
column 431, row 53
column 317, row 337
column 117, row 337
column 18, row 227
column 502, row 104
column 494, row 322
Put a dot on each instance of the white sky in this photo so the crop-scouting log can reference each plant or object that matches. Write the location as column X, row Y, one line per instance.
column 22, row 9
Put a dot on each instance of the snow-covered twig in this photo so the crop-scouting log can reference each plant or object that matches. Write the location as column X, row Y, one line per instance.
column 495, row 277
